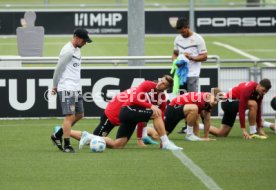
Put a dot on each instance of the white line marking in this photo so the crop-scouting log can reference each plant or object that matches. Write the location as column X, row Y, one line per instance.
column 234, row 49
column 196, row 170
column 261, row 50
column 269, row 64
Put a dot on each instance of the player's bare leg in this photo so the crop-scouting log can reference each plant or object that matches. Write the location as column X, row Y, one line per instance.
column 159, row 126
column 68, row 122
column 252, row 115
column 116, row 144
column 152, row 132
column 196, row 127
column 75, row 134
column 78, row 117
column 223, row 131
column 191, row 114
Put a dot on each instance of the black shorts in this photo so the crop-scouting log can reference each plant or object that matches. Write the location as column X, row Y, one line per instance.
column 129, row 117
column 273, row 103
column 230, row 108
column 104, row 127
column 173, row 115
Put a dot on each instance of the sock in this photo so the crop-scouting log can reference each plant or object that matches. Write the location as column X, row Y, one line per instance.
column 145, row 132
column 266, row 124
column 164, row 139
column 190, row 130
column 201, row 126
column 59, row 133
column 66, row 142
column 253, row 129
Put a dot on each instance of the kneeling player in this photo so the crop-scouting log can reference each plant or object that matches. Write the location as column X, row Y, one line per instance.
column 246, row 95
column 189, row 106
column 141, row 104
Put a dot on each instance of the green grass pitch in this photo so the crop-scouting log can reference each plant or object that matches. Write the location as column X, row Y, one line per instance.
column 30, row 161
column 260, row 46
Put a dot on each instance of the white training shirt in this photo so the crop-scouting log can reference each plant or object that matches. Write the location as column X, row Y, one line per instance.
column 194, row 45
column 67, row 73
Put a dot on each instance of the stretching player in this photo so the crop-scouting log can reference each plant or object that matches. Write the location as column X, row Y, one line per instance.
column 190, row 106
column 246, row 95
column 110, row 118
column 138, row 105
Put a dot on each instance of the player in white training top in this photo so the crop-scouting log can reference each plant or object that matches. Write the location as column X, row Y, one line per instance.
column 192, row 45
column 66, row 82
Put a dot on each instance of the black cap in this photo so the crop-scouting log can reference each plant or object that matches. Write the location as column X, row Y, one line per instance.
column 182, row 22
column 83, row 34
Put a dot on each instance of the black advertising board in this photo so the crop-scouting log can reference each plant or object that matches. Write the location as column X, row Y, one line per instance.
column 64, row 22
column 236, row 21
column 216, row 21
column 207, row 21
column 24, row 91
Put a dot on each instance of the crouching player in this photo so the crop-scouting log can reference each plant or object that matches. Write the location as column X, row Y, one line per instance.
column 139, row 105
column 190, row 106
column 246, row 95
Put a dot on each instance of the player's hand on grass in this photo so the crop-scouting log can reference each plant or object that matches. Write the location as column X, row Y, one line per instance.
column 140, row 143
column 245, row 135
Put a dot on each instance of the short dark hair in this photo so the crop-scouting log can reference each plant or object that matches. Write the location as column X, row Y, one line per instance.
column 182, row 22
column 169, row 79
column 265, row 83
column 273, row 103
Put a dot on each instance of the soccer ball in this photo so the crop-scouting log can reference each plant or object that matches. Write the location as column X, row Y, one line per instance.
column 97, row 144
